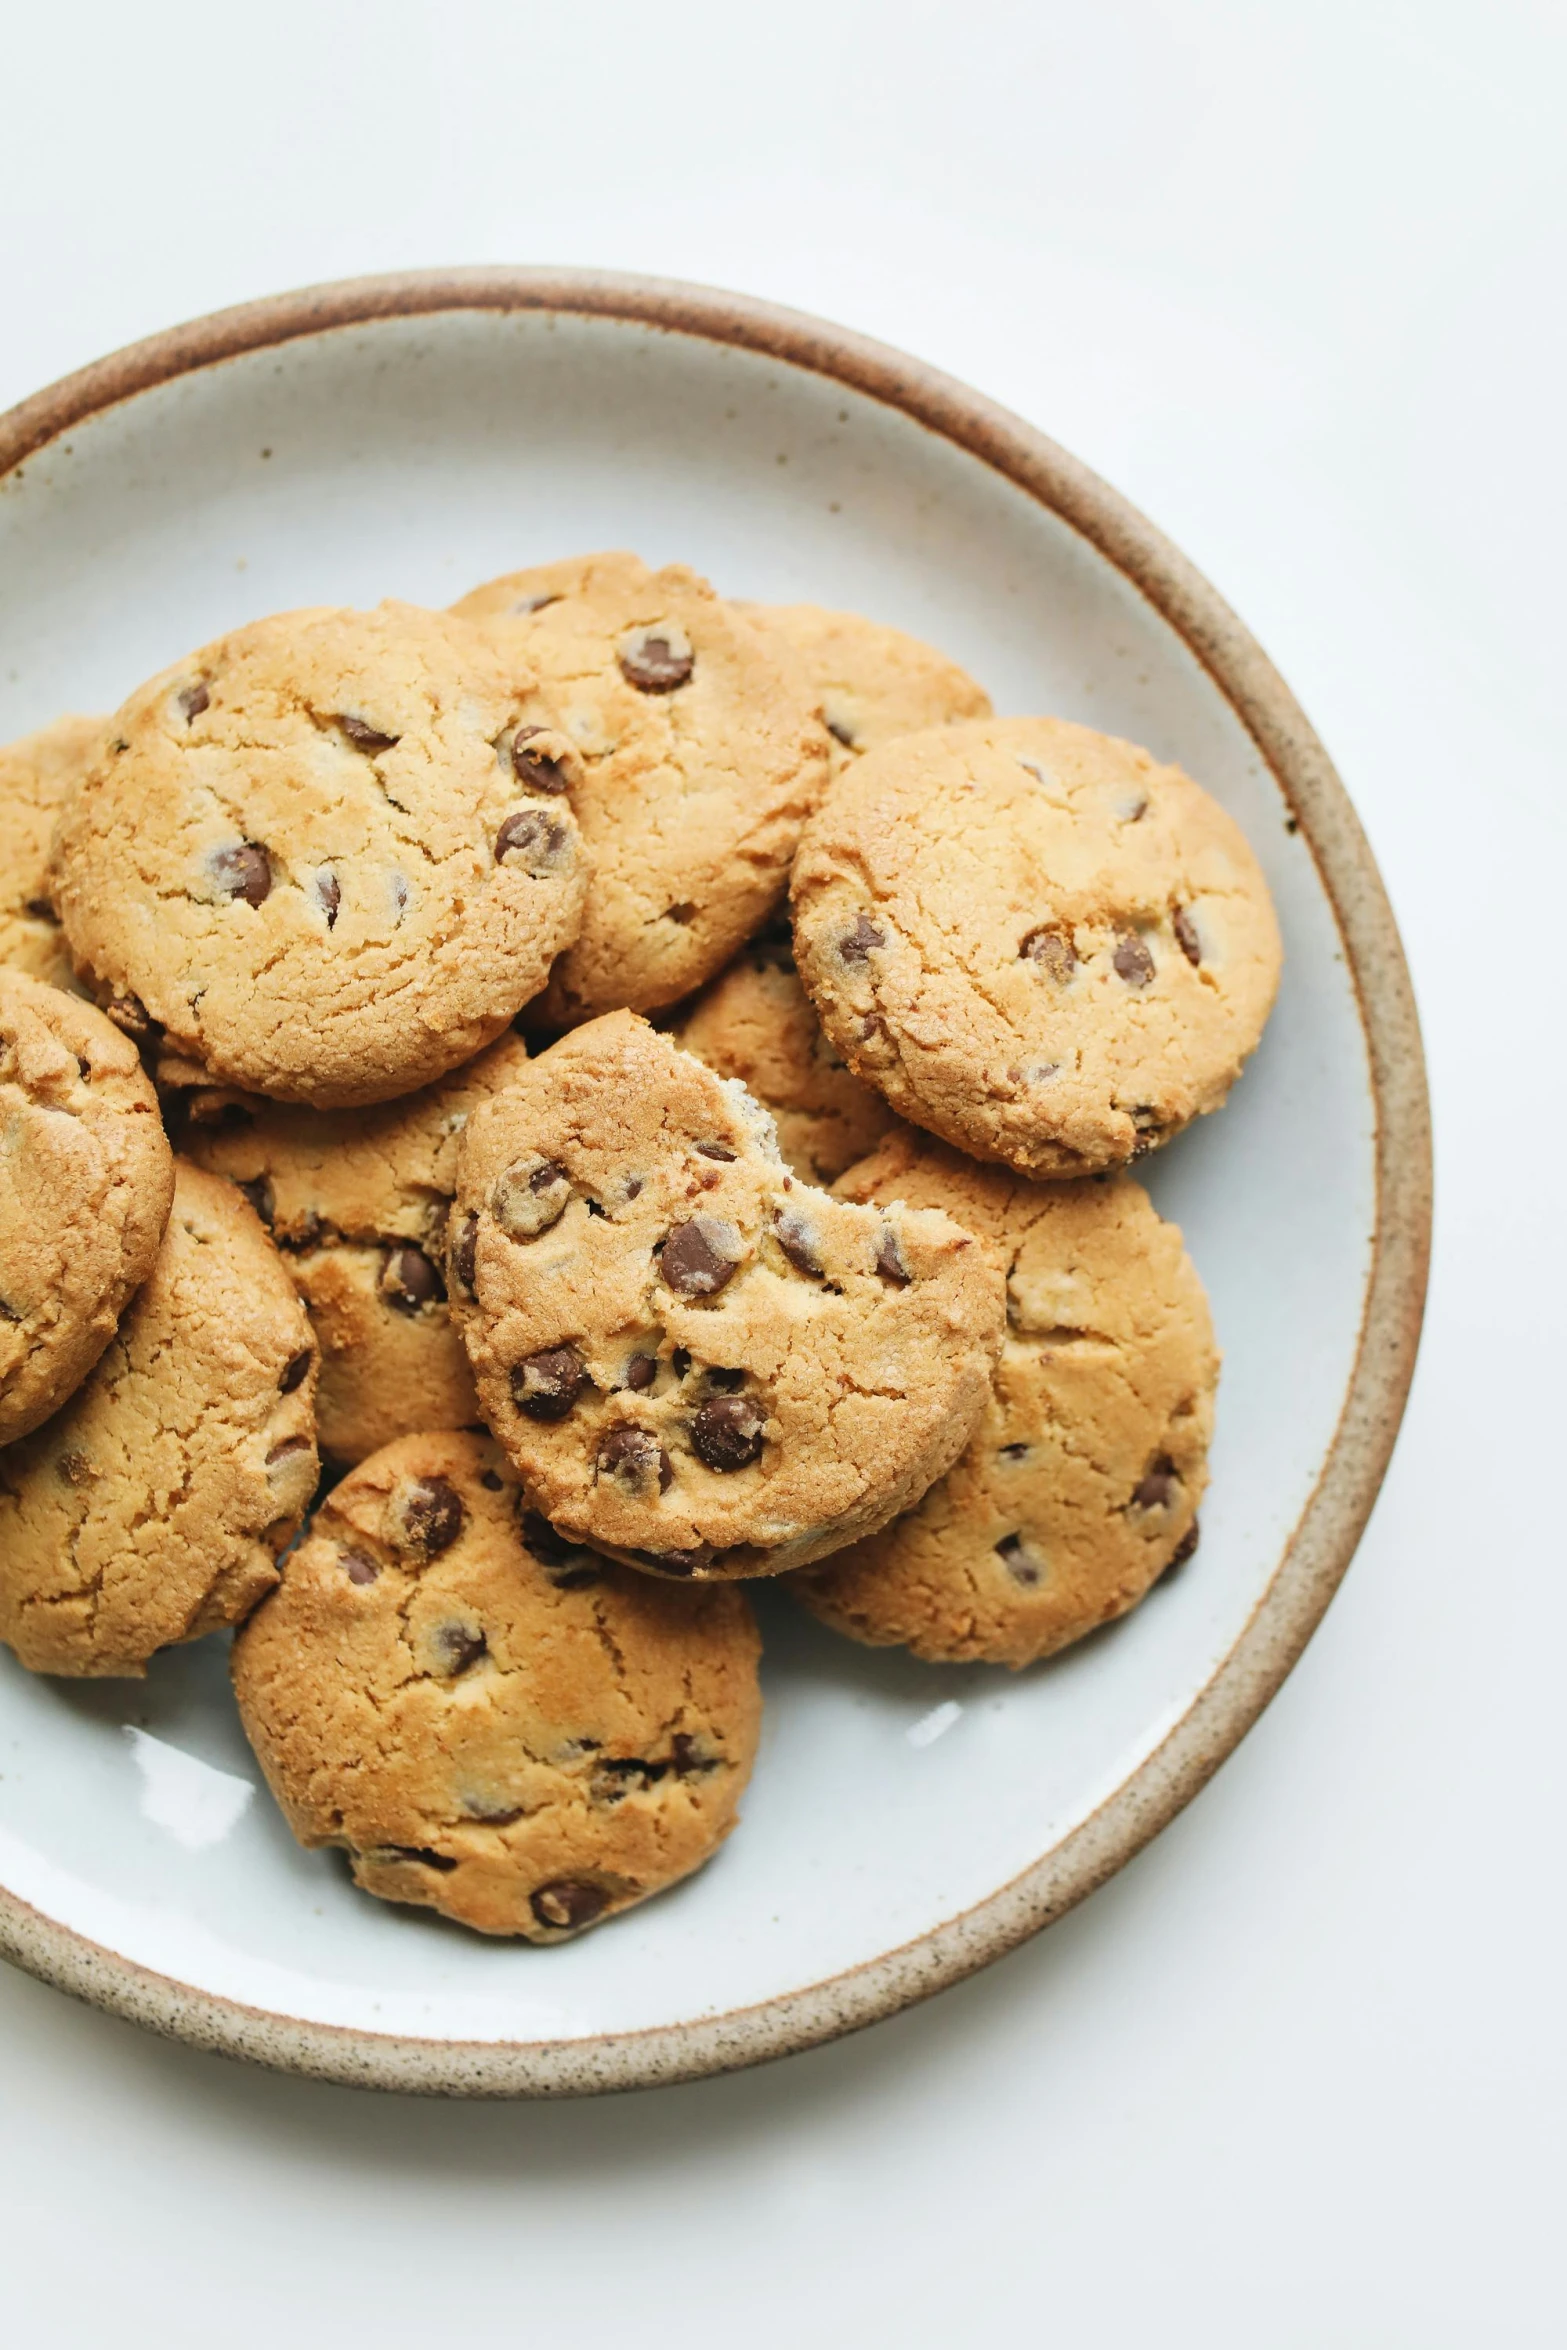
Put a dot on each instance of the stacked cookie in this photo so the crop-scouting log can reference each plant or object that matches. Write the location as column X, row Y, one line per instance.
column 653, row 1081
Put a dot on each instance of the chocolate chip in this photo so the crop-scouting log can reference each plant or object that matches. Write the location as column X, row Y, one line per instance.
column 329, row 896
column 428, row 1515
column 358, row 1568
column 421, row 1854
column 72, row 1468
column 288, row 1449
column 465, row 1252
column 244, row 872
column 261, row 1197
column 459, row 1646
column 568, row 1903
column 798, row 1240
column 1132, row 960
column 365, row 737
column 193, row 699
column 635, row 1459
column 490, row 1482
column 530, row 1196
column 841, row 732
column 717, row 1150
column 546, row 1385
column 681, row 1563
column 727, row 1432
column 640, row 1372
column 409, row 1280
column 700, row 1256
column 1023, row 1561
column 131, row 1016
column 295, row 1370
column 655, row 660
column 492, row 1813
column 1013, row 1452
column 1159, row 1481
column 890, row 1261
column 684, row 1760
column 856, row 944
column 633, row 1186
column 535, row 770
column 1186, row 938
column 1052, row 947
column 531, row 838
column 1183, row 1549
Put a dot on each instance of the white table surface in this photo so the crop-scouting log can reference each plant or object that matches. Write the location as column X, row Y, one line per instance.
column 1291, row 277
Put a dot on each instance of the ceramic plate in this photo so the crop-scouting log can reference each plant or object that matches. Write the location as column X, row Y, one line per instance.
column 409, row 437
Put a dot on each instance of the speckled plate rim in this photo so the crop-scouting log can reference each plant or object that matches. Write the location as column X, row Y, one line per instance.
column 1324, row 1538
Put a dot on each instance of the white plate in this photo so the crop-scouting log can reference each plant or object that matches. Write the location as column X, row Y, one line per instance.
column 411, row 437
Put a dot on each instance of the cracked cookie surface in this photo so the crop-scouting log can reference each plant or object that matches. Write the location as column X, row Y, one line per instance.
column 357, row 1200
column 874, row 682
column 494, row 1724
column 86, row 1178
column 153, row 1508
column 38, row 775
column 702, row 754
column 699, row 1363
column 1080, row 1486
column 756, row 1022
column 1034, row 940
column 325, row 855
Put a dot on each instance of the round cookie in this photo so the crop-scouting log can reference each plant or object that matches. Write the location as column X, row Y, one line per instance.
column 702, row 755
column 153, row 1508
column 874, row 682
column 1034, row 940
column 85, row 1183
column 37, row 776
column 1081, row 1484
column 326, row 855
column 698, row 1363
column 357, row 1200
column 493, row 1724
column 755, row 1022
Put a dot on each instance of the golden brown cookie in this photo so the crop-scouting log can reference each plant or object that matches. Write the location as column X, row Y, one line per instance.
column 85, row 1184
column 1081, row 1484
column 492, row 1724
column 1035, row 940
column 37, row 776
column 357, row 1200
column 874, row 682
column 325, row 855
column 153, row 1508
column 702, row 755
column 699, row 1363
column 755, row 1022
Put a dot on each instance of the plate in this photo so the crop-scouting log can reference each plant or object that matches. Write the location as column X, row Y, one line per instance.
column 906, row 1824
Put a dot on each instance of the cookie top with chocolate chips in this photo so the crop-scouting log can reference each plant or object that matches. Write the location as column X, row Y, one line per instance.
column 328, row 856
column 85, row 1184
column 37, row 777
column 154, row 1506
column 493, row 1722
column 874, row 682
column 755, row 1022
column 357, row 1200
column 698, row 1362
column 1080, row 1486
column 701, row 756
column 1035, row 940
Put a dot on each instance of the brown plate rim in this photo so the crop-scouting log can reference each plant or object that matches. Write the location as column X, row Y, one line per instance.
column 1324, row 1538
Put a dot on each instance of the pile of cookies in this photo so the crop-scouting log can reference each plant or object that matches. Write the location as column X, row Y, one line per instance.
column 519, row 1120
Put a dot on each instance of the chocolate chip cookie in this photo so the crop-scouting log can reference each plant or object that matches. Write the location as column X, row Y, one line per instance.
column 357, row 1200
column 1080, row 1486
column 1034, row 940
column 755, row 1022
column 698, row 1363
column 153, row 1508
column 874, row 682
column 37, row 776
column 85, row 1184
column 491, row 1722
column 701, row 755
column 327, row 855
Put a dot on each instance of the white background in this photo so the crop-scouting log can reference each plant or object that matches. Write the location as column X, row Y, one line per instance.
column 1291, row 276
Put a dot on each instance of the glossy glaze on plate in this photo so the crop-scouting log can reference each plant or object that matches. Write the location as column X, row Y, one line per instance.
column 412, row 436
